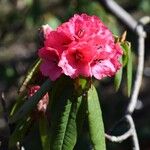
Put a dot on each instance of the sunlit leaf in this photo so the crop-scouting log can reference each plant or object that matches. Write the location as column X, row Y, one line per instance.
column 129, row 70
column 64, row 125
column 17, row 105
column 118, row 77
column 96, row 127
column 125, row 54
column 127, row 48
column 81, row 85
column 32, row 71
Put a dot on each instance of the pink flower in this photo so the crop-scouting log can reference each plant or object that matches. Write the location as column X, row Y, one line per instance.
column 43, row 103
column 106, row 63
column 83, row 46
column 46, row 30
column 54, row 44
column 49, row 66
column 85, row 27
column 75, row 61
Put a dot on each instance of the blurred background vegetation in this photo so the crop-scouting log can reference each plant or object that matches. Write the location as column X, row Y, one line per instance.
column 20, row 21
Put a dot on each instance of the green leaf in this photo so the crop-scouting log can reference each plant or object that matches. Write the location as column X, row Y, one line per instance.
column 129, row 70
column 64, row 116
column 19, row 132
column 118, row 77
column 81, row 85
column 81, row 116
column 96, row 127
column 44, row 133
column 127, row 48
column 32, row 71
column 31, row 102
column 125, row 54
column 17, row 105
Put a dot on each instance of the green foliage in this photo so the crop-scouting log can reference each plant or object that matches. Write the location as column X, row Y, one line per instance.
column 127, row 47
column 65, row 130
column 69, row 100
column 67, row 121
column 44, row 132
column 118, row 77
column 64, row 125
column 144, row 5
column 31, row 73
column 68, row 111
column 126, row 61
column 31, row 102
column 95, row 121
column 19, row 132
column 17, row 105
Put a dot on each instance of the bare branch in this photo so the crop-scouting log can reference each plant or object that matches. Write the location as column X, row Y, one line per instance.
column 119, row 12
column 119, row 138
column 140, row 67
column 133, row 133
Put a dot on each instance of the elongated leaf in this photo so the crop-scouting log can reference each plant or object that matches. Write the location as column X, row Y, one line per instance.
column 127, row 48
column 17, row 105
column 64, row 114
column 118, row 77
column 129, row 70
column 125, row 54
column 81, row 85
column 81, row 116
column 32, row 101
column 19, row 132
column 44, row 133
column 65, row 135
column 96, row 127
column 32, row 71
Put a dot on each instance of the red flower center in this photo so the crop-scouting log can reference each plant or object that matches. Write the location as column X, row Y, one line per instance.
column 80, row 33
column 78, row 56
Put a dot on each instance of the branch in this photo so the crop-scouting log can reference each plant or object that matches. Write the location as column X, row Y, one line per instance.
column 140, row 67
column 130, row 132
column 119, row 138
column 133, row 133
column 120, row 13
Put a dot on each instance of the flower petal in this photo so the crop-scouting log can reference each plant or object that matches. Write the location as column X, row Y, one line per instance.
column 102, row 69
column 50, row 69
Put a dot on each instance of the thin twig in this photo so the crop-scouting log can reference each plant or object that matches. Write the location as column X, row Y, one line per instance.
column 140, row 67
column 120, row 13
column 120, row 138
column 133, row 133
column 139, row 74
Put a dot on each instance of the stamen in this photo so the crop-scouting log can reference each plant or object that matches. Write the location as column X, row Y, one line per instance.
column 80, row 33
column 78, row 56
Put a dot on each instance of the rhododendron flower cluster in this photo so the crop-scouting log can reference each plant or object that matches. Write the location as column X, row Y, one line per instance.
column 83, row 46
column 43, row 103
